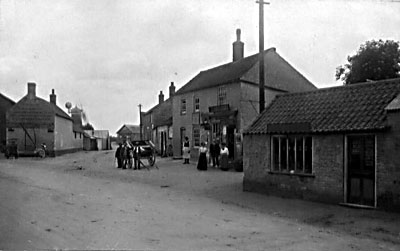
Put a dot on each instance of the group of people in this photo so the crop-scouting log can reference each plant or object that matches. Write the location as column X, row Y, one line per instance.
column 218, row 155
column 127, row 156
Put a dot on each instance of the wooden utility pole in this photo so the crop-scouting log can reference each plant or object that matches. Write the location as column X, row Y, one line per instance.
column 261, row 55
column 140, row 122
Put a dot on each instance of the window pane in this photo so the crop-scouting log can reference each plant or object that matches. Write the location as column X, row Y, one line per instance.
column 291, row 153
column 308, row 155
column 275, row 154
column 299, row 156
column 283, row 154
column 183, row 106
column 196, row 135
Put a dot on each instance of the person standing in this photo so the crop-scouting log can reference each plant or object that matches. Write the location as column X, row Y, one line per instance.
column 214, row 152
column 202, row 163
column 224, row 157
column 186, row 151
column 118, row 155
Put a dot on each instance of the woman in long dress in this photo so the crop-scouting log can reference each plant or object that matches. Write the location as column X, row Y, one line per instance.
column 202, row 163
column 224, row 157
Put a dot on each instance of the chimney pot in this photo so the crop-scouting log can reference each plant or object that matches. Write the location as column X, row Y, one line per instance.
column 31, row 90
column 160, row 97
column 171, row 89
column 53, row 97
column 238, row 46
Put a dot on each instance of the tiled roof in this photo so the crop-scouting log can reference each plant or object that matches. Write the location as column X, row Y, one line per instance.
column 7, row 98
column 275, row 68
column 357, row 107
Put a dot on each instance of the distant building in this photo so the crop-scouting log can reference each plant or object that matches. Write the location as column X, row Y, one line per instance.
column 336, row 145
column 103, row 139
column 5, row 104
column 127, row 131
column 33, row 121
column 157, row 123
column 219, row 103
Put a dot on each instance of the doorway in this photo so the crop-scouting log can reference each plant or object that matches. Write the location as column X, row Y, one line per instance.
column 361, row 170
column 182, row 138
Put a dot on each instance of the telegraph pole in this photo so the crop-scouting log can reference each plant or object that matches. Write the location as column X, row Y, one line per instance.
column 261, row 54
column 140, row 121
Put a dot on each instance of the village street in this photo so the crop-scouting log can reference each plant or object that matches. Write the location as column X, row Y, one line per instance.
column 81, row 201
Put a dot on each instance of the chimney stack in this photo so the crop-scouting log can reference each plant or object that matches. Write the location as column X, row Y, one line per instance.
column 171, row 90
column 53, row 97
column 238, row 46
column 160, row 97
column 31, row 90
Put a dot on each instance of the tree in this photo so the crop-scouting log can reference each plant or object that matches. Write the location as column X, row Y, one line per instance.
column 375, row 60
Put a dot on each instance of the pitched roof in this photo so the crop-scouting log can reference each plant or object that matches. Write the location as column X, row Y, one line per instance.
column 130, row 128
column 356, row 107
column 275, row 68
column 7, row 98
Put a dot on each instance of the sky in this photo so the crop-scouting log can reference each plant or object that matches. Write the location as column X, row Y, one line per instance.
column 109, row 56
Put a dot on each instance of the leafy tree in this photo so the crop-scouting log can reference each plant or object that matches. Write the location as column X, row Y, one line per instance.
column 88, row 126
column 375, row 60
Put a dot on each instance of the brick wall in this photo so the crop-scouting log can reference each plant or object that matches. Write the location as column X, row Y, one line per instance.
column 388, row 165
column 325, row 185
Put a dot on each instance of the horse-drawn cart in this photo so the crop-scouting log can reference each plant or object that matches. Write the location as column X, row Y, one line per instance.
column 145, row 149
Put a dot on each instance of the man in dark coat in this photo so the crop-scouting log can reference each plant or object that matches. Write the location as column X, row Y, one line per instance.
column 214, row 152
column 118, row 155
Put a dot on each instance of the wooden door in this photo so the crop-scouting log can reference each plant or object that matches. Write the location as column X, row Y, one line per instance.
column 361, row 170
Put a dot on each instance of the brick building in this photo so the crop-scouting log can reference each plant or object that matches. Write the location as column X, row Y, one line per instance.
column 336, row 145
column 5, row 104
column 157, row 123
column 220, row 102
column 33, row 121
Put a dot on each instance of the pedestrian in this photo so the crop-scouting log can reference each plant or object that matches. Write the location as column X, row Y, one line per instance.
column 130, row 155
column 202, row 163
column 136, row 154
column 224, row 157
column 125, row 155
column 214, row 152
column 118, row 155
column 186, row 151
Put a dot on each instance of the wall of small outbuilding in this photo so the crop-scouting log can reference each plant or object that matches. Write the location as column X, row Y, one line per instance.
column 326, row 184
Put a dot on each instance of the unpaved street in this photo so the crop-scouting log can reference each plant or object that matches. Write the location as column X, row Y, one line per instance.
column 80, row 201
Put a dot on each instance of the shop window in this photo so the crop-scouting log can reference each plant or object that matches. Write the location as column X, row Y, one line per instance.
column 183, row 106
column 292, row 154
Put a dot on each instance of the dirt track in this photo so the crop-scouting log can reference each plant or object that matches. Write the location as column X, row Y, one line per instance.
column 80, row 201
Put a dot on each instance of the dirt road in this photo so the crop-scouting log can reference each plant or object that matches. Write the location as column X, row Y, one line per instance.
column 80, row 201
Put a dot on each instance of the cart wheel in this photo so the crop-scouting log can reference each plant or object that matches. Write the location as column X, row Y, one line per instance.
column 151, row 160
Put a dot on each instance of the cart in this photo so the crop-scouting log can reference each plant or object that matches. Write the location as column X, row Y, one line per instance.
column 145, row 149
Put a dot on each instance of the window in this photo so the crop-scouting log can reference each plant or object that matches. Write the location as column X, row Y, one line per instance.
column 292, row 154
column 196, row 135
column 196, row 107
column 216, row 130
column 183, row 106
column 221, row 95
column 75, row 134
